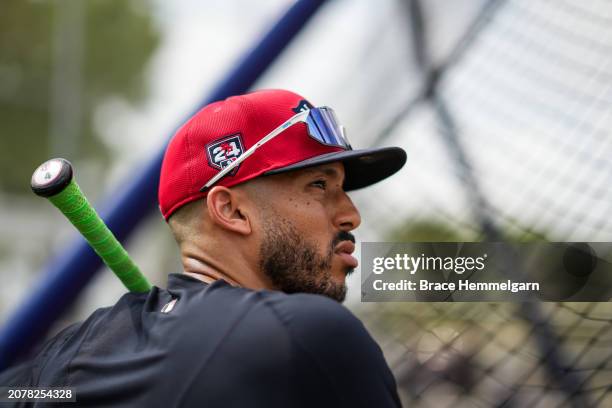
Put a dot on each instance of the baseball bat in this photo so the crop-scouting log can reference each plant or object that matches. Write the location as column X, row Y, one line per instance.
column 54, row 180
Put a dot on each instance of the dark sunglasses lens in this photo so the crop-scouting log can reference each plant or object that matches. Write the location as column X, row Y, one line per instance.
column 323, row 126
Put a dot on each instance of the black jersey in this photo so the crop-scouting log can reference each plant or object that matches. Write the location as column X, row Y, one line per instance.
column 214, row 345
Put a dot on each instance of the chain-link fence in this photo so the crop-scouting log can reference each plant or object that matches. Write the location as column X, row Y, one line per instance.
column 485, row 354
column 508, row 139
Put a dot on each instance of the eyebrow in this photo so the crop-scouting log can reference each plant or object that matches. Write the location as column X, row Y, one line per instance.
column 328, row 171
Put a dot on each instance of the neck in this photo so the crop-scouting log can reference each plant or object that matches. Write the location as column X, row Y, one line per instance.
column 205, row 272
column 234, row 272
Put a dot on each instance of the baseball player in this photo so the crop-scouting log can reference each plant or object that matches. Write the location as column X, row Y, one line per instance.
column 254, row 190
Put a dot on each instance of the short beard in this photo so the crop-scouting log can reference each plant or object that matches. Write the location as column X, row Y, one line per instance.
column 294, row 265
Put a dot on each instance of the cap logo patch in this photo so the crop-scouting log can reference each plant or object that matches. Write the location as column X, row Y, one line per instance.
column 302, row 106
column 222, row 152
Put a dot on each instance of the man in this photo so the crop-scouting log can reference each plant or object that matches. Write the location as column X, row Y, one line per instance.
column 254, row 191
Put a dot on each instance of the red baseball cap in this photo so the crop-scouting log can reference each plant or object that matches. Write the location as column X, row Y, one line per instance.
column 222, row 131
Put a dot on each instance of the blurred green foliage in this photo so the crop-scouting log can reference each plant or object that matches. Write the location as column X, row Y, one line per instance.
column 426, row 231
column 429, row 230
column 118, row 39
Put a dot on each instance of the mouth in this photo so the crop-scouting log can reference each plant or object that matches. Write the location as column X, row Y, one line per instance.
column 344, row 250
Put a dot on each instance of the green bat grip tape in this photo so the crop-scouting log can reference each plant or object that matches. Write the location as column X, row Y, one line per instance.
column 82, row 215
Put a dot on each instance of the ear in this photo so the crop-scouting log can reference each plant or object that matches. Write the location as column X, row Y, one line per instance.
column 226, row 209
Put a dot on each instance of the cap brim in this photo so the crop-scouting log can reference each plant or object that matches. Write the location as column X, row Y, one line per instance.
column 361, row 167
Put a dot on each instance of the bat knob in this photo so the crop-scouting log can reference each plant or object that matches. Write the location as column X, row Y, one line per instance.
column 51, row 177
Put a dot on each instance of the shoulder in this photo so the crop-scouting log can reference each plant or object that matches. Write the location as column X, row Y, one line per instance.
column 339, row 346
column 322, row 326
column 312, row 315
column 309, row 321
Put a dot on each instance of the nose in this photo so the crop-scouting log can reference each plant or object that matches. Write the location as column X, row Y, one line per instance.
column 347, row 217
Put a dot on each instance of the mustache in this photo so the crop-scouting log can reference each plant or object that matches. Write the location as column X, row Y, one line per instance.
column 343, row 236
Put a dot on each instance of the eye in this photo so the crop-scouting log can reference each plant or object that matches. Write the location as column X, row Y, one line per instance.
column 322, row 184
